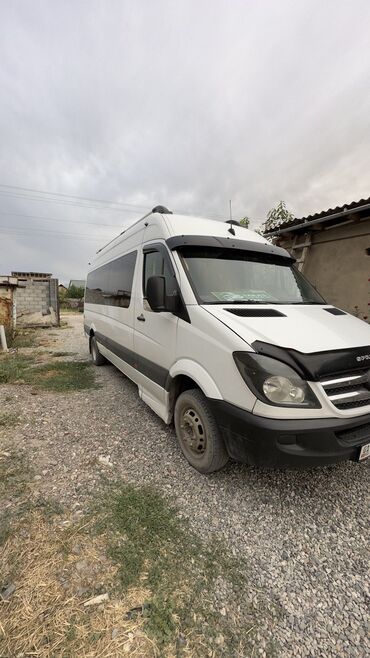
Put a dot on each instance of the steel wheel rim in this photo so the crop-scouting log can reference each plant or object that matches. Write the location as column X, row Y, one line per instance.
column 193, row 434
column 94, row 351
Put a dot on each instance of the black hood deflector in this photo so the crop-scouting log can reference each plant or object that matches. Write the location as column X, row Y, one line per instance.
column 316, row 365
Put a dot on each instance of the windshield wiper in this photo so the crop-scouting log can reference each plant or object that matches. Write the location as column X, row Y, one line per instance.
column 255, row 301
column 243, row 301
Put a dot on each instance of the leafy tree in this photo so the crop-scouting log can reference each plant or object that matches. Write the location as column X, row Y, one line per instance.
column 75, row 293
column 277, row 216
column 62, row 294
column 245, row 221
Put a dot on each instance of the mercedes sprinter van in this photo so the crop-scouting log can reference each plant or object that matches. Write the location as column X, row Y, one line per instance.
column 226, row 338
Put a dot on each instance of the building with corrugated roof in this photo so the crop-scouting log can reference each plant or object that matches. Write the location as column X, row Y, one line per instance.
column 332, row 248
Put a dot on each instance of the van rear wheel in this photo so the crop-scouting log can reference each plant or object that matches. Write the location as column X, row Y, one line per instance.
column 197, row 432
column 97, row 358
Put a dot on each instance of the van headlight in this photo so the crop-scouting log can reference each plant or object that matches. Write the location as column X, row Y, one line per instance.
column 274, row 382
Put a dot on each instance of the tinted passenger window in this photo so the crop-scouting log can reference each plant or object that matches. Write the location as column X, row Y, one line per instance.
column 111, row 284
column 157, row 264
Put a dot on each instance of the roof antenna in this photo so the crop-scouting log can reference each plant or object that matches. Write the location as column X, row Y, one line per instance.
column 231, row 221
column 231, row 230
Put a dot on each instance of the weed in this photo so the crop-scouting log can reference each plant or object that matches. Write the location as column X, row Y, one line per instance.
column 23, row 338
column 8, row 419
column 14, row 473
column 157, row 550
column 46, row 617
column 48, row 506
column 13, row 368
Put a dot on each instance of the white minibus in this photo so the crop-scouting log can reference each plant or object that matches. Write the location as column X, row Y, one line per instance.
column 225, row 338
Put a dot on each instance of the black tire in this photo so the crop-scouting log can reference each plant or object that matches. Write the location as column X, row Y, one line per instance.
column 197, row 432
column 97, row 358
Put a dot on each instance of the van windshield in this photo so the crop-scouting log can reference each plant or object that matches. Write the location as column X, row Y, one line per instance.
column 228, row 276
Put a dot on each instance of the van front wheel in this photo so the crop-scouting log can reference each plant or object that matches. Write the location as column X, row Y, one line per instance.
column 97, row 358
column 197, row 432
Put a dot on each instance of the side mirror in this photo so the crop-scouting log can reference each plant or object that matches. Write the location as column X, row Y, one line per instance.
column 156, row 293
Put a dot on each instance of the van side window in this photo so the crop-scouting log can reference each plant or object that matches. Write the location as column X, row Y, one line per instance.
column 156, row 263
column 111, row 284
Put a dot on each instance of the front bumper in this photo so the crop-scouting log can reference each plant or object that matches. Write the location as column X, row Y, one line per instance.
column 261, row 441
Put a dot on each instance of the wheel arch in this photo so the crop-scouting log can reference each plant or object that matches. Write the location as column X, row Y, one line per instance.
column 185, row 375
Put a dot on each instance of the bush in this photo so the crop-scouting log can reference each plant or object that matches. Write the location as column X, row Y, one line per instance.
column 75, row 293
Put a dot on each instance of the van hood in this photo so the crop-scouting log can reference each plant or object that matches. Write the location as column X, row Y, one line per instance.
column 305, row 328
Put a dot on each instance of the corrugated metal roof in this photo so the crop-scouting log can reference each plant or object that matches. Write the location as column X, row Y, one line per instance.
column 347, row 207
column 32, row 275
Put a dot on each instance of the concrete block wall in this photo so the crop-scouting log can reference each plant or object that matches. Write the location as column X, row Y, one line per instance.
column 34, row 297
column 37, row 296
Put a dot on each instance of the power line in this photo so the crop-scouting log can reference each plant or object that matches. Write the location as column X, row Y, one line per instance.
column 59, row 220
column 29, row 194
column 73, row 196
column 62, row 202
column 64, row 236
column 48, row 231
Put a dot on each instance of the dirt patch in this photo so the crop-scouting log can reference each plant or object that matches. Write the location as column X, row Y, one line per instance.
column 127, row 577
column 56, row 576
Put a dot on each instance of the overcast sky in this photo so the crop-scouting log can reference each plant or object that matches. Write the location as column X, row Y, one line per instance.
column 188, row 103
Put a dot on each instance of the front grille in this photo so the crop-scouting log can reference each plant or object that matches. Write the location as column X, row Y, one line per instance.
column 355, row 436
column 348, row 391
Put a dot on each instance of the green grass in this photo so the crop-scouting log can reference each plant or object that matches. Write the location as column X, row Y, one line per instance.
column 13, row 368
column 8, row 419
column 156, row 549
column 62, row 376
column 54, row 376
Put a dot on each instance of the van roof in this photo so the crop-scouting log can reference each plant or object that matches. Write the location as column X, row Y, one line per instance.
column 176, row 225
column 186, row 225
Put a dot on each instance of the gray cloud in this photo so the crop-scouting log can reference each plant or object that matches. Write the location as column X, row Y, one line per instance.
column 184, row 103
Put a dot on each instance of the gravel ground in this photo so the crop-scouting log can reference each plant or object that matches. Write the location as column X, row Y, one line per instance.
column 303, row 534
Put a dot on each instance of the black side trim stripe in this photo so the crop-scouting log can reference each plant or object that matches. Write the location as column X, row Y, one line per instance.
column 148, row 368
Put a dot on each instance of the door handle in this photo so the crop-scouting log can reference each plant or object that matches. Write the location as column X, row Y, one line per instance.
column 141, row 318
